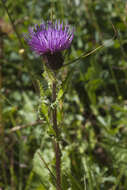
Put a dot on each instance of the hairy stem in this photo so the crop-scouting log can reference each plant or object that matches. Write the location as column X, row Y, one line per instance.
column 56, row 141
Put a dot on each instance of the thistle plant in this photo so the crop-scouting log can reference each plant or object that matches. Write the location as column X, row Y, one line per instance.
column 49, row 40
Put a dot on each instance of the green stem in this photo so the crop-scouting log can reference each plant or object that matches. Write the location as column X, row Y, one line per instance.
column 115, row 81
column 12, row 23
column 84, row 55
column 56, row 141
column 2, row 143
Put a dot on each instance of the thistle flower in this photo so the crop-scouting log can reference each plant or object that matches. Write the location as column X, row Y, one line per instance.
column 49, row 39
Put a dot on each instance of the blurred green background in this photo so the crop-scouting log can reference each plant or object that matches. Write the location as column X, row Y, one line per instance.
column 94, row 118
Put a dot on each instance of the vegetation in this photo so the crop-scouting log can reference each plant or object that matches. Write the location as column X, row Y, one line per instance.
column 91, row 99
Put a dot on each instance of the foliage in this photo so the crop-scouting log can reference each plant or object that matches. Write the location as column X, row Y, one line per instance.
column 92, row 105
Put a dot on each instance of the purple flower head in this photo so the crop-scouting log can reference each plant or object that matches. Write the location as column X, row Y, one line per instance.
column 49, row 38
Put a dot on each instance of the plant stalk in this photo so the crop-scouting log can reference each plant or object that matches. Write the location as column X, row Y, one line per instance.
column 2, row 143
column 56, row 141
